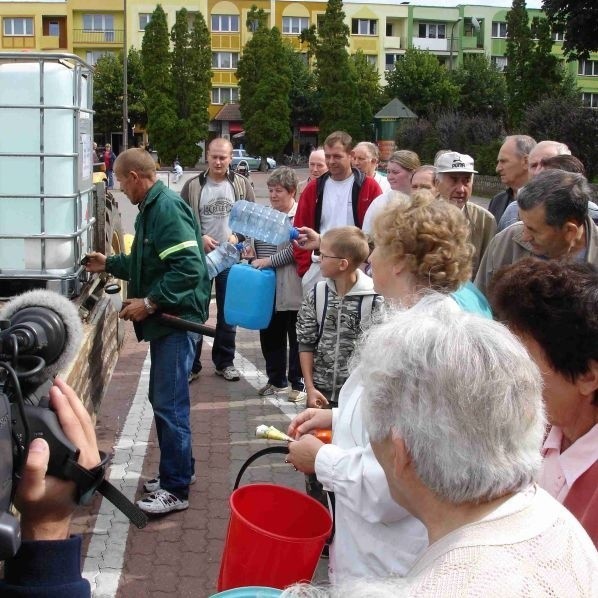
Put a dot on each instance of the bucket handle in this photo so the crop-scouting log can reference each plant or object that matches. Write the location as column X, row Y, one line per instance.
column 284, row 450
column 281, row 450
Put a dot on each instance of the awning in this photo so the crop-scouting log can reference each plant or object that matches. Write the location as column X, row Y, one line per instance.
column 308, row 129
column 235, row 127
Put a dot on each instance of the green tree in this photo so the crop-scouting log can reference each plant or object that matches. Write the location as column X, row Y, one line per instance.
column 108, row 84
column 191, row 76
column 570, row 122
column 339, row 101
column 483, row 90
column 578, row 20
column 533, row 72
column 162, row 118
column 422, row 83
column 369, row 92
column 264, row 84
column 304, row 97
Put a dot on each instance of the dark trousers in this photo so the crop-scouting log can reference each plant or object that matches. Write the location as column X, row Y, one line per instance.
column 223, row 349
column 274, row 349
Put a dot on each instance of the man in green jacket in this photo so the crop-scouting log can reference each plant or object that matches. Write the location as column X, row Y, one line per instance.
column 166, row 271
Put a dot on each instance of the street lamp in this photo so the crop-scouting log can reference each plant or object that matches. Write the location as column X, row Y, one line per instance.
column 451, row 47
column 125, row 143
column 476, row 27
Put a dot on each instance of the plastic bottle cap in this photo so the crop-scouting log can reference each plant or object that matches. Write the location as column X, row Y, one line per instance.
column 294, row 233
column 112, row 288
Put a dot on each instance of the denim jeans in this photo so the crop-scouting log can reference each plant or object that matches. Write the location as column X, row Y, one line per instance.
column 223, row 349
column 110, row 175
column 171, row 358
column 274, row 349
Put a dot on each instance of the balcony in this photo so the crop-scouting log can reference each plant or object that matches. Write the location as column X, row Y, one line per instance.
column 392, row 43
column 49, row 42
column 226, row 41
column 470, row 42
column 97, row 38
column 432, row 44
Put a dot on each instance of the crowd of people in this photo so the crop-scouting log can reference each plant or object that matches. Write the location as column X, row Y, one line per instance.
column 464, row 455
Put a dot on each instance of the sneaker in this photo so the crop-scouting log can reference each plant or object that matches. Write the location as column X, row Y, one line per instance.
column 270, row 389
column 229, row 373
column 162, row 502
column 193, row 376
column 153, row 485
column 297, row 396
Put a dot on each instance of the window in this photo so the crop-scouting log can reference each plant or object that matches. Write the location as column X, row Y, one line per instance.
column 18, row 26
column 54, row 28
column 294, row 24
column 93, row 56
column 590, row 100
column 558, row 36
column 372, row 59
column 225, row 60
column 389, row 61
column 588, row 68
column 144, row 19
column 499, row 62
column 103, row 23
column 432, row 30
column 224, row 95
column 225, row 23
column 389, row 30
column 319, row 21
column 364, row 27
column 98, row 22
column 499, row 29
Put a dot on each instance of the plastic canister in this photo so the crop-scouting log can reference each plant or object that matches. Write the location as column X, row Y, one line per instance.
column 249, row 301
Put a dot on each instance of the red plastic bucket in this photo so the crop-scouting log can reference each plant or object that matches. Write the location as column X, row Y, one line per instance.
column 275, row 537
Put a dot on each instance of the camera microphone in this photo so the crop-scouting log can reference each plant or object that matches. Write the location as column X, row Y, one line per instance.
column 45, row 325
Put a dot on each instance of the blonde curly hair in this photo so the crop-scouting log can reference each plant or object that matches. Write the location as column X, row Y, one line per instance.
column 432, row 235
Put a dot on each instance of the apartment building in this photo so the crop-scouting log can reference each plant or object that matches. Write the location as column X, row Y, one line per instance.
column 382, row 29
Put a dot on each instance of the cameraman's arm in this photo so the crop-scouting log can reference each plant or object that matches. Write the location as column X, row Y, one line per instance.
column 48, row 562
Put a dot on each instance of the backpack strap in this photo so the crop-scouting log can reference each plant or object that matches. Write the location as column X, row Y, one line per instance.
column 320, row 305
column 366, row 307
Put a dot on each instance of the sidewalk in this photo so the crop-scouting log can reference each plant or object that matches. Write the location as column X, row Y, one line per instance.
column 179, row 554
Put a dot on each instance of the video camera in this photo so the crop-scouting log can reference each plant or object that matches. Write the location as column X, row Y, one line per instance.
column 40, row 332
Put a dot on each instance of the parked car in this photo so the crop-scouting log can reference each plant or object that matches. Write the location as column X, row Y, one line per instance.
column 253, row 162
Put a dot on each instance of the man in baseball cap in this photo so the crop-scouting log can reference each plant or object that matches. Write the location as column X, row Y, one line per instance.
column 454, row 182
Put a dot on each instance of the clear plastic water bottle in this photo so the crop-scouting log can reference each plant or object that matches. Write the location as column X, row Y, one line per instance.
column 223, row 257
column 261, row 222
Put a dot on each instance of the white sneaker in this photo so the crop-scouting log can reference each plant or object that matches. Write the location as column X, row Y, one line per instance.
column 297, row 396
column 154, row 484
column 270, row 389
column 229, row 373
column 162, row 502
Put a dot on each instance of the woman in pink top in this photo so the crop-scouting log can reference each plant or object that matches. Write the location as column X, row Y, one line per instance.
column 553, row 307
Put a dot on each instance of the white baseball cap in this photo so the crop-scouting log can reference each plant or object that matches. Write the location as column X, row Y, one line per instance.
column 454, row 162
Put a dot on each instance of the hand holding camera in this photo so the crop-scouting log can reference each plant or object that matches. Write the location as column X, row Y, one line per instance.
column 47, row 503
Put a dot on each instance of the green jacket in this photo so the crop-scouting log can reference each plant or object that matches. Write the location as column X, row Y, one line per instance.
column 167, row 263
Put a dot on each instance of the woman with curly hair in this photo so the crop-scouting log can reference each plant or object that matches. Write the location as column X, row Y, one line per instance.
column 421, row 248
column 552, row 307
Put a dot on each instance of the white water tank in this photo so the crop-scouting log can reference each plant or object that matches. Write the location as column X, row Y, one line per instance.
column 45, row 164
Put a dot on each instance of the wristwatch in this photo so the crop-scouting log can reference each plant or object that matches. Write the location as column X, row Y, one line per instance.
column 149, row 306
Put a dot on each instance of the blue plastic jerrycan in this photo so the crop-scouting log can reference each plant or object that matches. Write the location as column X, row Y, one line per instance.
column 249, row 301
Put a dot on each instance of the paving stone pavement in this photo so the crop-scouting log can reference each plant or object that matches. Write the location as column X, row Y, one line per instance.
column 179, row 554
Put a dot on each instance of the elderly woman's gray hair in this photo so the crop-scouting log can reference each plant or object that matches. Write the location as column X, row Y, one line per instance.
column 462, row 393
column 285, row 177
column 389, row 587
